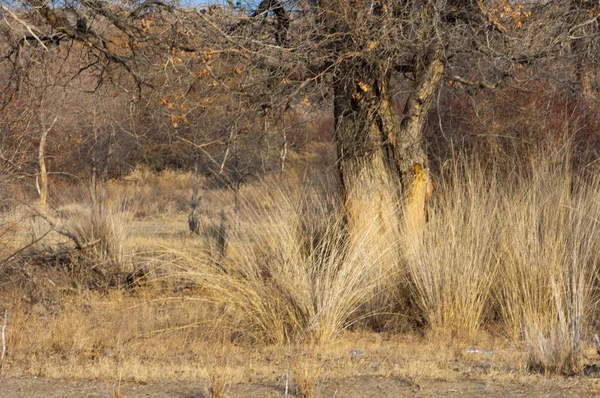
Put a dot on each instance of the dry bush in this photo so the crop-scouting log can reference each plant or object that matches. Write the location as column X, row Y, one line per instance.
column 107, row 235
column 94, row 244
column 308, row 374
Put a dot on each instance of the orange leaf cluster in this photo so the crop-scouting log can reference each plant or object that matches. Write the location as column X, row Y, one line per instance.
column 512, row 13
column 176, row 119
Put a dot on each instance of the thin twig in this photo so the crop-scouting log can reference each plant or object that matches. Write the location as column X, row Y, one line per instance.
column 3, row 338
column 27, row 26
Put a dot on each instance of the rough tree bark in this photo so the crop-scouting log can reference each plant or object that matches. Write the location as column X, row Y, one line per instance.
column 370, row 180
column 381, row 157
column 409, row 149
column 586, row 28
column 381, row 153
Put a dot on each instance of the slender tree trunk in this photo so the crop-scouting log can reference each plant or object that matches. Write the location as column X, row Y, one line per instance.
column 94, row 185
column 196, row 185
column 104, row 174
column 43, row 173
column 585, row 73
column 43, row 188
column 585, row 77
column 195, row 201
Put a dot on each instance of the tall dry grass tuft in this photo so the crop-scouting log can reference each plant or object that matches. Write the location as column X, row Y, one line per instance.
column 288, row 274
column 521, row 248
column 550, row 243
column 514, row 245
column 105, row 237
column 452, row 269
column 308, row 375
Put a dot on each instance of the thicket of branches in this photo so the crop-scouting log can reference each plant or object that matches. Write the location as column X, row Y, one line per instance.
column 233, row 87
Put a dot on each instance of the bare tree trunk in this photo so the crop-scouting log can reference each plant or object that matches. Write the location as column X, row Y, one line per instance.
column 195, row 201
column 95, row 210
column 584, row 76
column 369, row 179
column 94, row 184
column 104, row 174
column 581, row 46
column 382, row 159
column 236, row 180
column 409, row 149
column 43, row 172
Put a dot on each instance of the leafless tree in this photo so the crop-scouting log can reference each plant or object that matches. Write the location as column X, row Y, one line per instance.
column 376, row 65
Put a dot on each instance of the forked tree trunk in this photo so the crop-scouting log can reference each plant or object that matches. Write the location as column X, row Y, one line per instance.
column 382, row 159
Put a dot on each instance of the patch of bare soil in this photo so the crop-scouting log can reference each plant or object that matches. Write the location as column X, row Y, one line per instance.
column 29, row 387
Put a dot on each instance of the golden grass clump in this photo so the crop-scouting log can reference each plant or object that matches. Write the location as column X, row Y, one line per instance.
column 550, row 245
column 288, row 273
column 517, row 249
column 451, row 271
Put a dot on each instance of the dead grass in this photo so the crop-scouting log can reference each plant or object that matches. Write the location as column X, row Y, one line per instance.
column 519, row 249
column 308, row 372
column 507, row 263
column 451, row 273
column 288, row 274
column 121, row 337
column 550, row 245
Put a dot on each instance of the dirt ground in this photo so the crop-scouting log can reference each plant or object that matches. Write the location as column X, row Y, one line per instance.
column 31, row 387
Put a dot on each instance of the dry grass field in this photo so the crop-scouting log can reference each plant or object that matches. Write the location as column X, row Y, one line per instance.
column 271, row 299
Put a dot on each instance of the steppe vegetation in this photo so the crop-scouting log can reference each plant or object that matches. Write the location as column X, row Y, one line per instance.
column 290, row 193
